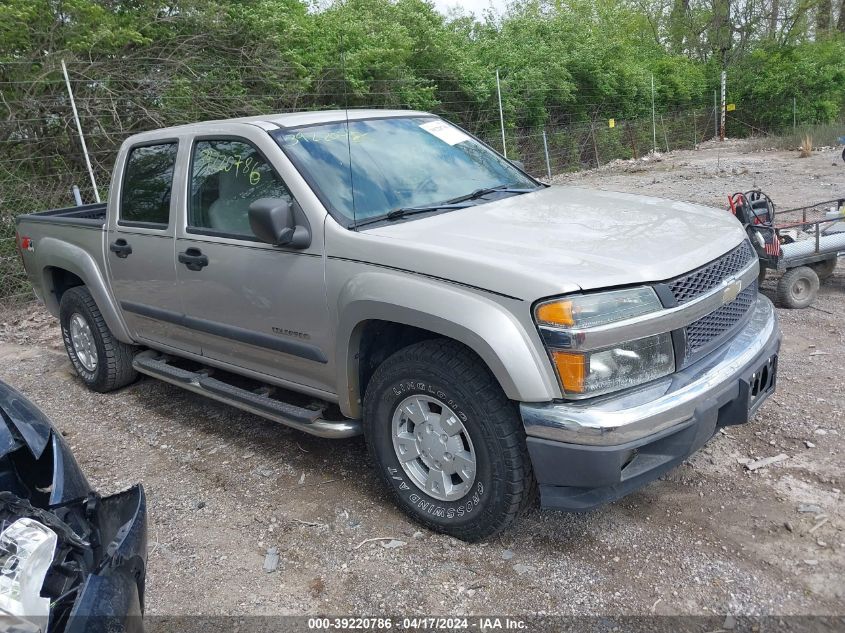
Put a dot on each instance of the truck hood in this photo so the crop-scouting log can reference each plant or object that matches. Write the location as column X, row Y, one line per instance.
column 555, row 240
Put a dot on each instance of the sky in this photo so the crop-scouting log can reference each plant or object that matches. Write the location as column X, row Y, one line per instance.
column 470, row 6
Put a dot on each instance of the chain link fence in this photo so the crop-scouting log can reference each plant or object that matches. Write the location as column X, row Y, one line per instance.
column 21, row 196
column 44, row 160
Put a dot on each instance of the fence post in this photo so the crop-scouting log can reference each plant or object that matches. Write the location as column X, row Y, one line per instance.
column 715, row 116
column 595, row 144
column 501, row 114
column 665, row 136
column 653, row 119
column 694, row 130
column 546, row 150
column 81, row 136
column 722, row 126
column 793, row 114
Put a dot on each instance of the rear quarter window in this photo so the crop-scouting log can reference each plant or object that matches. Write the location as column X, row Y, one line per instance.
column 147, row 185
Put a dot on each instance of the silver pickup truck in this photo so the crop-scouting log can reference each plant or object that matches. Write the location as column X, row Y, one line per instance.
column 386, row 273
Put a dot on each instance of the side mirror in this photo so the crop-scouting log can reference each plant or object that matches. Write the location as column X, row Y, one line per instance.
column 518, row 164
column 273, row 221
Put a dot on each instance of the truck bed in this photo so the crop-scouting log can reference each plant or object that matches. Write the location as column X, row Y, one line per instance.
column 86, row 215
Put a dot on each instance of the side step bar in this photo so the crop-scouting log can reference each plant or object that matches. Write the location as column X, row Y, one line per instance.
column 257, row 401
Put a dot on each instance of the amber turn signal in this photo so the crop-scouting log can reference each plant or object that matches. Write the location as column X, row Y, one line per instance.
column 555, row 313
column 571, row 370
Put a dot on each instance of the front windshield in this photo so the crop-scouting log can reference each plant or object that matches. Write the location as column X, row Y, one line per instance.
column 396, row 163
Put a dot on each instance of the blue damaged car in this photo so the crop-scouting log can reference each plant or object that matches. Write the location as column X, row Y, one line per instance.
column 71, row 560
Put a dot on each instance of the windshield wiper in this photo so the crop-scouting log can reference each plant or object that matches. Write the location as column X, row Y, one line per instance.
column 452, row 203
column 480, row 193
column 404, row 212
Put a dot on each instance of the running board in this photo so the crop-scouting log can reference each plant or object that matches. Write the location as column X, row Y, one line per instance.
column 257, row 401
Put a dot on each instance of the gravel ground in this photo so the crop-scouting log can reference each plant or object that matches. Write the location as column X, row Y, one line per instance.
column 710, row 538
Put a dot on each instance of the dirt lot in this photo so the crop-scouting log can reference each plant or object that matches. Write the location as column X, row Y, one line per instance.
column 710, row 538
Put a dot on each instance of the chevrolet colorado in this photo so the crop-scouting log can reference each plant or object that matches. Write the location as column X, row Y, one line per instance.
column 385, row 272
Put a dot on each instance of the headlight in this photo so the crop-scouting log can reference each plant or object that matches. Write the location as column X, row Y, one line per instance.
column 590, row 372
column 27, row 549
column 586, row 311
column 625, row 365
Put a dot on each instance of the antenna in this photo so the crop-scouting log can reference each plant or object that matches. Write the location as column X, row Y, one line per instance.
column 346, row 114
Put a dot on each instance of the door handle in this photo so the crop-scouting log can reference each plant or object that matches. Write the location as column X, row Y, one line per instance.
column 120, row 248
column 193, row 259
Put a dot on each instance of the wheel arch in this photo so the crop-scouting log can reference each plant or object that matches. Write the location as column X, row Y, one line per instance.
column 66, row 266
column 411, row 309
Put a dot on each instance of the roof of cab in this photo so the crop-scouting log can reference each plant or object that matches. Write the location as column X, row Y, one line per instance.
column 278, row 121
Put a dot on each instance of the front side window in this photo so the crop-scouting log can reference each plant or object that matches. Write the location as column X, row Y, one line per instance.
column 226, row 177
column 147, row 183
column 395, row 163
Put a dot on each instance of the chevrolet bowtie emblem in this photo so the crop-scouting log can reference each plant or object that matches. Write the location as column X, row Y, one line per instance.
column 732, row 288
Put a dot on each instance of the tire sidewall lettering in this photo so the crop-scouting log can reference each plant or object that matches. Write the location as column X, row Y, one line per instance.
column 417, row 386
column 89, row 377
column 77, row 365
column 471, row 501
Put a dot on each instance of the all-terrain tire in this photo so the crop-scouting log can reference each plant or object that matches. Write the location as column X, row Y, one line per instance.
column 444, row 371
column 798, row 287
column 112, row 365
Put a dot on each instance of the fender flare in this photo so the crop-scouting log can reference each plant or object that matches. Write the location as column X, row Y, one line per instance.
column 63, row 255
column 516, row 360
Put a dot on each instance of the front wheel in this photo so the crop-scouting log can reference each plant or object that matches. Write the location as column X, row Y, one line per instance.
column 446, row 440
column 101, row 361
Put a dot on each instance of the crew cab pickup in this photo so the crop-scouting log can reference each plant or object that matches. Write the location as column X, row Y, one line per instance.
column 386, row 273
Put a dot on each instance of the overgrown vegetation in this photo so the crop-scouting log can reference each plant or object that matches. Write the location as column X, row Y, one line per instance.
column 142, row 64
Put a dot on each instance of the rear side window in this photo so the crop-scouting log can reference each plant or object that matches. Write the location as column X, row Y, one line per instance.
column 147, row 184
column 226, row 177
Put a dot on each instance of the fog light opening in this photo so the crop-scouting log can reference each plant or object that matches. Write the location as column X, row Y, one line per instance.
column 629, row 458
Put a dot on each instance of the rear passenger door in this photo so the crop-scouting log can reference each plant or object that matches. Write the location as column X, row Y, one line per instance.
column 140, row 246
column 253, row 305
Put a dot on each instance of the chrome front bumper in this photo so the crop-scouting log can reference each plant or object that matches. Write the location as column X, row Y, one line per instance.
column 670, row 402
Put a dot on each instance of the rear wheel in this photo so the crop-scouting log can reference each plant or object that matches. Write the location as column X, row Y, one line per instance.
column 446, row 440
column 824, row 269
column 102, row 362
column 798, row 287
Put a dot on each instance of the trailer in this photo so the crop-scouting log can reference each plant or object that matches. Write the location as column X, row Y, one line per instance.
column 803, row 243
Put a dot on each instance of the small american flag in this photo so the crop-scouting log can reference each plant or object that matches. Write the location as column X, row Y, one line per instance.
column 772, row 244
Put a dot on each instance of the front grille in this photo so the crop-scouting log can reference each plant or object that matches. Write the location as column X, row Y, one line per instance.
column 703, row 334
column 706, row 278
